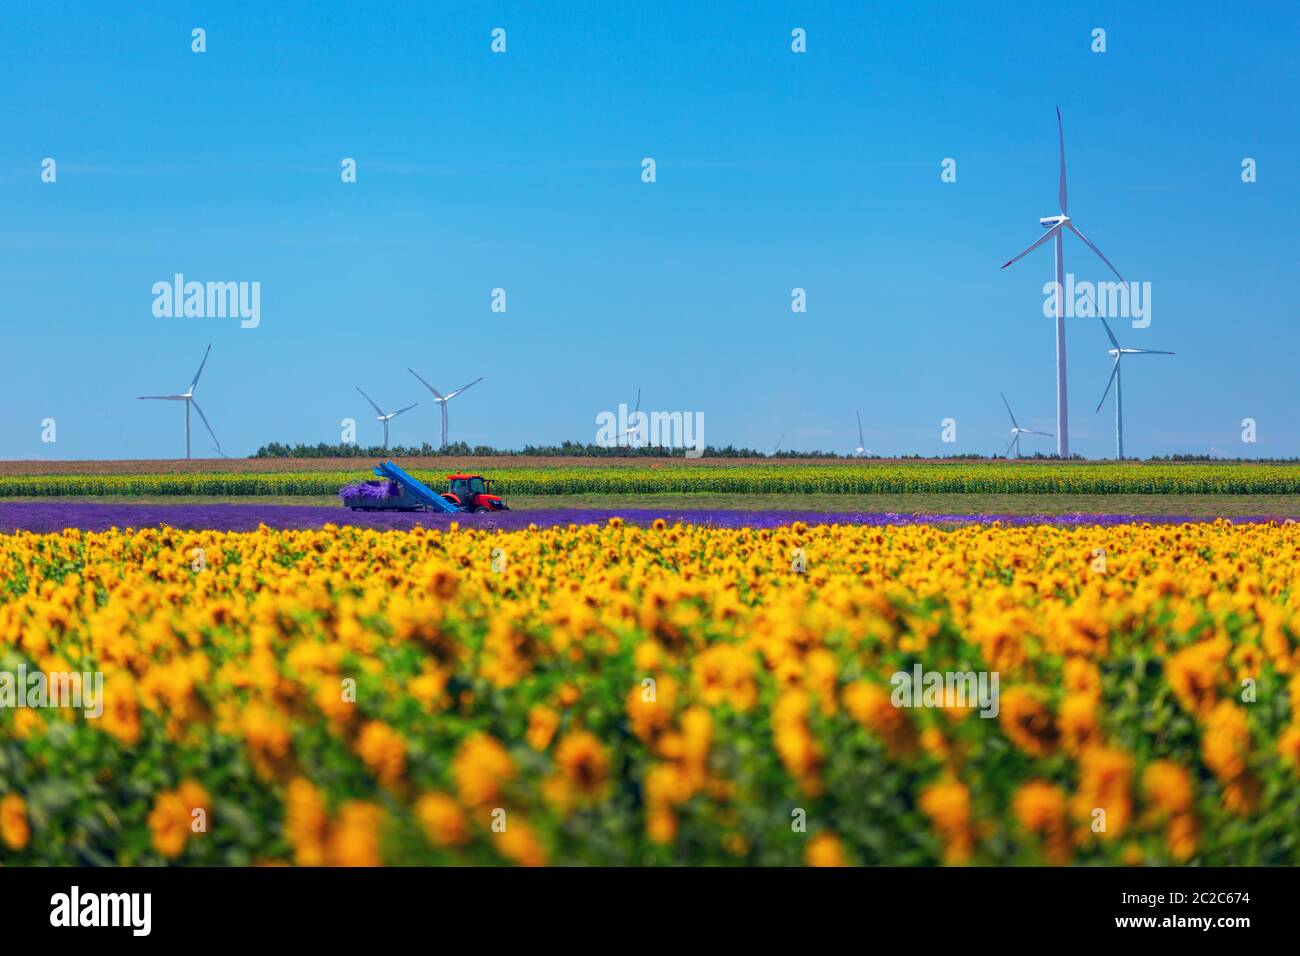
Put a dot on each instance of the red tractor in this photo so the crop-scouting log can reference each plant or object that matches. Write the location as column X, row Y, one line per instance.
column 473, row 493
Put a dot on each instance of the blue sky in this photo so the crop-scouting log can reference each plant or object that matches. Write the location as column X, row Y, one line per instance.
column 522, row 171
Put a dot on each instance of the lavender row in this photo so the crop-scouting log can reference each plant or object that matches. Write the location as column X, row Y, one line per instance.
column 52, row 517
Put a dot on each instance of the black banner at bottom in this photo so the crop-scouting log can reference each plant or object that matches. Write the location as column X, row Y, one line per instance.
column 333, row 905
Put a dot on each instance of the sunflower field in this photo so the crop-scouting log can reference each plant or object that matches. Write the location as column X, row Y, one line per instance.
column 669, row 694
column 859, row 477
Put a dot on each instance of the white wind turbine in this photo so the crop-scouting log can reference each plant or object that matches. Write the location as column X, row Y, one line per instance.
column 1119, row 354
column 383, row 416
column 188, row 398
column 633, row 434
column 442, row 399
column 861, row 451
column 1055, row 226
column 1017, row 431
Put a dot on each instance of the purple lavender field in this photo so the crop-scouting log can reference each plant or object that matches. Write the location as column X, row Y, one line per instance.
column 55, row 516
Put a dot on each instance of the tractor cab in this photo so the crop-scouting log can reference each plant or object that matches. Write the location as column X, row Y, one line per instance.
column 473, row 493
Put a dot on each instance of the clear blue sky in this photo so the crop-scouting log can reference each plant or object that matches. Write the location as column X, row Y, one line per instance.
column 522, row 171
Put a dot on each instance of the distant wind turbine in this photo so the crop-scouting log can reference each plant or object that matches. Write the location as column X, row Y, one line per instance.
column 1017, row 431
column 442, row 400
column 634, row 433
column 778, row 444
column 1055, row 226
column 862, row 451
column 188, row 398
column 383, row 416
column 1119, row 354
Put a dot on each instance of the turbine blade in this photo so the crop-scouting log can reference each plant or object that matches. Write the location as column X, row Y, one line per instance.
column 861, row 441
column 452, row 395
column 1109, row 334
column 400, row 410
column 206, row 424
column 1013, row 417
column 200, row 371
column 1109, row 383
column 436, row 394
column 1088, row 242
column 1061, row 191
column 638, row 401
column 379, row 411
column 1150, row 352
column 1008, row 451
column 1045, row 236
column 165, row 398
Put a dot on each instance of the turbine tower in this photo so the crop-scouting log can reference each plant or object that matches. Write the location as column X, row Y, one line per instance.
column 1017, row 431
column 384, row 417
column 1115, row 377
column 633, row 434
column 188, row 398
column 861, row 451
column 442, row 400
column 1055, row 226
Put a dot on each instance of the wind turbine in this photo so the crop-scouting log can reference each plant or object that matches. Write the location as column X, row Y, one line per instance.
column 634, row 433
column 188, row 398
column 1119, row 354
column 442, row 400
column 1017, row 431
column 1055, row 226
column 383, row 416
column 778, row 444
column 861, row 451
